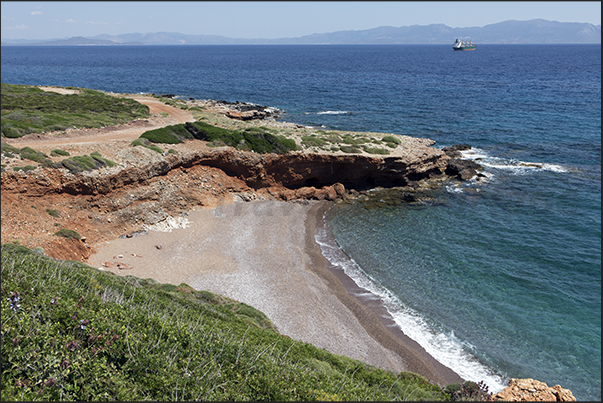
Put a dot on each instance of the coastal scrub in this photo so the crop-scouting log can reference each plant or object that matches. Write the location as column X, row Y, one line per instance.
column 28, row 109
column 74, row 333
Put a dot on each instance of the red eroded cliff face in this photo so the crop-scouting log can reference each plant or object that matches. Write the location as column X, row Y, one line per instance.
column 111, row 202
column 293, row 171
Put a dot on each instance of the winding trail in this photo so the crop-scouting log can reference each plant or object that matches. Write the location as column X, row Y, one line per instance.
column 124, row 132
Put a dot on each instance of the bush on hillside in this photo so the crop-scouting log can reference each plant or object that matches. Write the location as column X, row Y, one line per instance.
column 253, row 139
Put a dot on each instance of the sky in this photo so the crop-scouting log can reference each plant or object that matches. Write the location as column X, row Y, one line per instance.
column 270, row 19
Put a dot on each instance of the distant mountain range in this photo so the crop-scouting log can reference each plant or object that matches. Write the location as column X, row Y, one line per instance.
column 507, row 32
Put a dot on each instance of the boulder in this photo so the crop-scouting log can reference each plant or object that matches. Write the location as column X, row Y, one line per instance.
column 531, row 390
column 462, row 169
column 454, row 151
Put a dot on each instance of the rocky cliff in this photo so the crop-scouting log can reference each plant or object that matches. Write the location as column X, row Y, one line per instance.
column 149, row 187
column 530, row 390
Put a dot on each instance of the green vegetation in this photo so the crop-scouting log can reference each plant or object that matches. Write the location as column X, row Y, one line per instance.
column 258, row 139
column 350, row 149
column 9, row 151
column 79, row 163
column 391, row 139
column 314, row 141
column 28, row 109
column 147, row 144
column 375, row 150
column 68, row 233
column 349, row 142
column 53, row 212
column 59, row 153
column 25, row 168
column 71, row 332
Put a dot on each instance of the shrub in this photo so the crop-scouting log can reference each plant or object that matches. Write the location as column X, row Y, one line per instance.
column 167, row 135
column 467, row 391
column 12, row 132
column 255, row 139
column 313, row 141
column 54, row 213
column 58, row 152
column 9, row 150
column 25, row 168
column 350, row 149
column 80, row 163
column 155, row 148
column 206, row 132
column 33, row 155
column 144, row 142
column 68, row 233
column 391, row 139
column 141, row 141
column 264, row 142
column 353, row 140
column 376, row 150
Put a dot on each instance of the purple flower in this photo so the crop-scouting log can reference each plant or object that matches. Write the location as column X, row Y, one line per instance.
column 54, row 301
column 14, row 300
column 84, row 323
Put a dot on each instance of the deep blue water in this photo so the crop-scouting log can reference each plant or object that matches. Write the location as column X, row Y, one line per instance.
column 497, row 278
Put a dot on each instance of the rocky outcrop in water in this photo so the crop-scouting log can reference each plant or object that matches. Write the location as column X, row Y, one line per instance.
column 531, row 390
column 245, row 111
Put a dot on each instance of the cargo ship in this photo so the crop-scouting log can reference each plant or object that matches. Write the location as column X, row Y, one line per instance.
column 460, row 45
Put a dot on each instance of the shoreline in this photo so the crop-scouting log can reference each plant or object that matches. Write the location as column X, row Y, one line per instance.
column 265, row 254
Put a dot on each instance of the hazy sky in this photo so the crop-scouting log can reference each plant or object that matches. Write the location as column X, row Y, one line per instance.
column 257, row 19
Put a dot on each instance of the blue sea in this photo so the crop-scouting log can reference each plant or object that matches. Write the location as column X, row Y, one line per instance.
column 496, row 278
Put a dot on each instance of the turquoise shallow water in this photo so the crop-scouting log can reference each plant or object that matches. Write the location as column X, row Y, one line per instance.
column 498, row 278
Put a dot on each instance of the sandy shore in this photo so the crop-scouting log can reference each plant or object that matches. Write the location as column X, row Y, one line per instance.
column 264, row 254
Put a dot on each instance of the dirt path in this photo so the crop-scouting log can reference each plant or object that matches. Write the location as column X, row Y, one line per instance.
column 161, row 115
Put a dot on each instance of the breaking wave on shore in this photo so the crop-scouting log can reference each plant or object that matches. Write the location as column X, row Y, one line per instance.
column 439, row 343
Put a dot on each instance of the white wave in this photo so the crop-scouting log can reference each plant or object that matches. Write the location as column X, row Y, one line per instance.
column 454, row 188
column 509, row 164
column 332, row 113
column 445, row 348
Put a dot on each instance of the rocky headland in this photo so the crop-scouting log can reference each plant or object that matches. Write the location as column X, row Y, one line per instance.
column 146, row 187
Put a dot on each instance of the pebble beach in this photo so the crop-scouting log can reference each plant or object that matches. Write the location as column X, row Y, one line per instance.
column 264, row 253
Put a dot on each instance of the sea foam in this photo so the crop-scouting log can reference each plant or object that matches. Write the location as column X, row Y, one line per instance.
column 440, row 344
column 509, row 164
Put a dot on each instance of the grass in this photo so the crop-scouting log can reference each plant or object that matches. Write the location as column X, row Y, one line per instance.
column 71, row 332
column 28, row 109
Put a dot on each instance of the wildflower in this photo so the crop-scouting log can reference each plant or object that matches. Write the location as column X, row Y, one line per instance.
column 54, row 301
column 84, row 323
column 14, row 300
